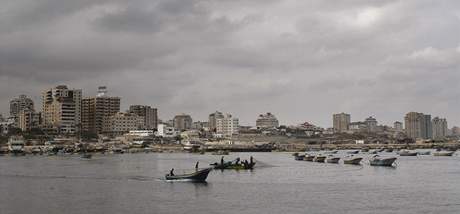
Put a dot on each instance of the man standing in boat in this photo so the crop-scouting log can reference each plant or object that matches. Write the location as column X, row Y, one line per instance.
column 196, row 165
column 171, row 173
column 222, row 161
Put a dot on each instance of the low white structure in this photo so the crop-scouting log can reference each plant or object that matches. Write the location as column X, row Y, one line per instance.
column 166, row 131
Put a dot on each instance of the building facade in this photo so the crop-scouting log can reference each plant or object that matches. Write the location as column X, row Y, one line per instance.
column 267, row 121
column 28, row 120
column 398, row 126
column 182, row 122
column 61, row 109
column 227, row 126
column 213, row 120
column 418, row 125
column 19, row 104
column 341, row 122
column 440, row 129
column 121, row 123
column 95, row 110
column 371, row 124
column 149, row 114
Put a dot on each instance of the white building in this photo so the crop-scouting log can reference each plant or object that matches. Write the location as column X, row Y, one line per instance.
column 227, row 126
column 166, row 131
column 267, row 121
column 439, row 128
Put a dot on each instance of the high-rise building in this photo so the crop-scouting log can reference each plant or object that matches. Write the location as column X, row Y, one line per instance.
column 341, row 122
column 418, row 125
column 19, row 104
column 440, row 129
column 267, row 121
column 61, row 109
column 398, row 126
column 183, row 122
column 95, row 110
column 371, row 124
column 456, row 131
column 213, row 118
column 149, row 114
column 227, row 126
column 121, row 123
column 28, row 120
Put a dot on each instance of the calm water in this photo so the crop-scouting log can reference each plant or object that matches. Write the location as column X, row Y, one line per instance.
column 130, row 183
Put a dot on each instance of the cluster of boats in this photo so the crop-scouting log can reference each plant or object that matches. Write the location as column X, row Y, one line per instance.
column 375, row 160
column 201, row 175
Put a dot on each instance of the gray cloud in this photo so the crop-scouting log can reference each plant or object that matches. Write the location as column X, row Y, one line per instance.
column 301, row 60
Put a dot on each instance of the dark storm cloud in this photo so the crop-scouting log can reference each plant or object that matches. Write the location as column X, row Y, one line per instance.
column 302, row 60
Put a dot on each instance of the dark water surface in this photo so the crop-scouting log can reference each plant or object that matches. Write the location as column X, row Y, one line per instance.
column 131, row 183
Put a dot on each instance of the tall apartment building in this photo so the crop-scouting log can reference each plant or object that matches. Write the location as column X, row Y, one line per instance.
column 28, row 120
column 19, row 104
column 371, row 124
column 121, row 123
column 227, row 126
column 440, row 129
column 418, row 125
column 267, row 121
column 149, row 114
column 213, row 118
column 95, row 110
column 341, row 122
column 182, row 122
column 398, row 126
column 61, row 109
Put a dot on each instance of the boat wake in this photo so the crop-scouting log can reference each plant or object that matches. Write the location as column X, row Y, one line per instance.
column 136, row 178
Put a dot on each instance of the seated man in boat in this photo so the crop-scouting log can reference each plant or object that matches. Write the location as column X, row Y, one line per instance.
column 237, row 160
column 171, row 173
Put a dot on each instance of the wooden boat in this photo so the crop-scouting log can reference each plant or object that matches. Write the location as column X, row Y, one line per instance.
column 365, row 150
column 333, row 160
column 377, row 161
column 198, row 176
column 443, row 153
column 374, row 152
column 308, row 157
column 407, row 153
column 353, row 160
column 389, row 150
column 353, row 152
column 319, row 159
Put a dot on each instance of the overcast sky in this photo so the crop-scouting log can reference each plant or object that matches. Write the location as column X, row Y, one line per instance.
column 301, row 60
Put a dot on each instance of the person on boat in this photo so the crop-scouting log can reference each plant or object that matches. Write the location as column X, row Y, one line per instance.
column 237, row 160
column 251, row 160
column 246, row 164
column 171, row 173
column 222, row 160
column 196, row 165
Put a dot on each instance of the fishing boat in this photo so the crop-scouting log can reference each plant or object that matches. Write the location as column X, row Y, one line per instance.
column 374, row 152
column 353, row 152
column 236, row 164
column 333, row 160
column 443, row 153
column 377, row 161
column 352, row 160
column 16, row 145
column 407, row 153
column 299, row 157
column 308, row 158
column 365, row 150
column 320, row 159
column 198, row 176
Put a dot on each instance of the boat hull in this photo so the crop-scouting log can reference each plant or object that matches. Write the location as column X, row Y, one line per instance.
column 319, row 159
column 354, row 161
column 445, row 154
column 382, row 162
column 198, row 176
column 333, row 160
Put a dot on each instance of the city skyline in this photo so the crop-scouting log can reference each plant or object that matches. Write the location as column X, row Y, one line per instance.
column 302, row 60
column 251, row 123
